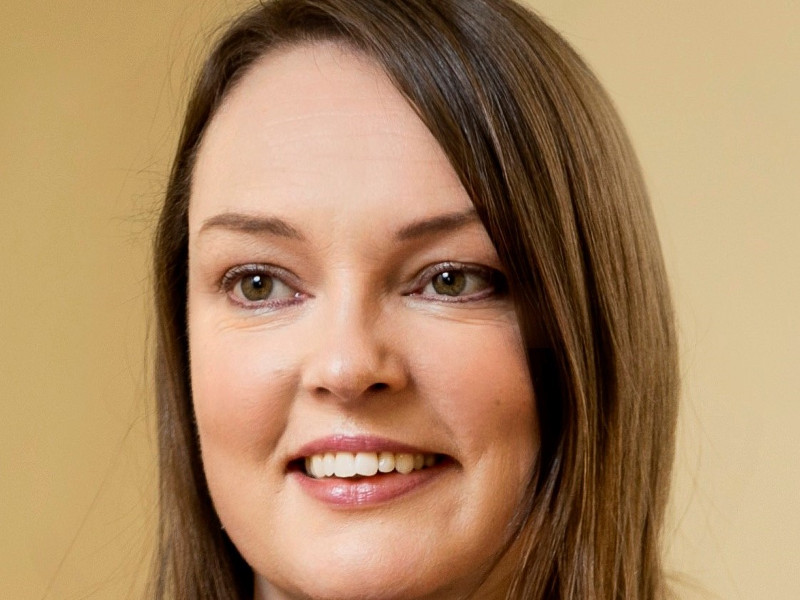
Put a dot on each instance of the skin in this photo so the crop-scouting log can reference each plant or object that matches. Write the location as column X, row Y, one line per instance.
column 354, row 339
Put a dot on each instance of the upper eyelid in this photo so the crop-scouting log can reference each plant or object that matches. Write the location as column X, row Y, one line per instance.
column 234, row 274
column 493, row 277
column 438, row 268
column 233, row 277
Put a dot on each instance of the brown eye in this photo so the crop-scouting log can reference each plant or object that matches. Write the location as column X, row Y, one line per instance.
column 256, row 288
column 259, row 287
column 456, row 282
column 450, row 283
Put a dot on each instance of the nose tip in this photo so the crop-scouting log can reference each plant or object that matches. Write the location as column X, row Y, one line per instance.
column 347, row 380
column 351, row 361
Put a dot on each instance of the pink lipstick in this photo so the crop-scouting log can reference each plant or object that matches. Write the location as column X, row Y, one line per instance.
column 354, row 471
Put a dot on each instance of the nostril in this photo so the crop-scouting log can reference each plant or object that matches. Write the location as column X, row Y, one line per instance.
column 378, row 387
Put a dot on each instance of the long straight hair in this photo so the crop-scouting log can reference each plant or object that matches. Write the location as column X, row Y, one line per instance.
column 539, row 148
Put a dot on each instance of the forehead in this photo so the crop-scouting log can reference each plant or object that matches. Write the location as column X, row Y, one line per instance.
column 320, row 127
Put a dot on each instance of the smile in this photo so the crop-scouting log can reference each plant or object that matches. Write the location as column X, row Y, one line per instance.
column 358, row 471
column 365, row 464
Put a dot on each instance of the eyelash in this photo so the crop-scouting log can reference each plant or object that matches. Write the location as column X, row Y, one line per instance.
column 495, row 283
column 234, row 277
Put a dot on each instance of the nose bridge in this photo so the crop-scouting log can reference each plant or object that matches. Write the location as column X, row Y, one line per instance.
column 350, row 354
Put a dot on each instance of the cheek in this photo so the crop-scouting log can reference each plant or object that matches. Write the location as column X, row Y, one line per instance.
column 241, row 390
column 479, row 380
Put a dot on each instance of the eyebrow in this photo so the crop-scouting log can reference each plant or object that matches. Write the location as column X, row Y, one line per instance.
column 275, row 226
column 438, row 224
column 252, row 224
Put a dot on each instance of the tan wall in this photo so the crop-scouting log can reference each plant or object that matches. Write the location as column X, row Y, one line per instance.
column 91, row 93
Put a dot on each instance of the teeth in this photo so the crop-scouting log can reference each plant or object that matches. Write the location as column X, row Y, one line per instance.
column 386, row 462
column 365, row 464
column 316, row 466
column 329, row 463
column 345, row 464
column 404, row 463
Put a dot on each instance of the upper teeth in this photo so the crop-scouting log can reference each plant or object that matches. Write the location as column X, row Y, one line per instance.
column 365, row 464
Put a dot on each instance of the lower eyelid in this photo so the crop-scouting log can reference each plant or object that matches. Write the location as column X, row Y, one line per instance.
column 491, row 282
column 487, row 286
column 282, row 293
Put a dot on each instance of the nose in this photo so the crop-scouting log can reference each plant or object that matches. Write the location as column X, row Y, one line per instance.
column 354, row 353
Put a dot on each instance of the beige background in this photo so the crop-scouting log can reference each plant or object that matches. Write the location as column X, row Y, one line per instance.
column 91, row 97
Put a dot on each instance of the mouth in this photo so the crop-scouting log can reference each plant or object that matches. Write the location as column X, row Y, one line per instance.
column 346, row 472
column 362, row 465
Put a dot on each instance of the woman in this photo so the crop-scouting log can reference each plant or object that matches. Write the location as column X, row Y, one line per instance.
column 408, row 250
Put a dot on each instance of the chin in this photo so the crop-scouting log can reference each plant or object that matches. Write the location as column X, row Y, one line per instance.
column 358, row 584
column 360, row 571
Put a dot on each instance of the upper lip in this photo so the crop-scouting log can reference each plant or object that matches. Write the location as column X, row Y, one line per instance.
column 356, row 443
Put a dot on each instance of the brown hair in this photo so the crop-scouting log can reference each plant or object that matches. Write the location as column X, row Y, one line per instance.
column 546, row 162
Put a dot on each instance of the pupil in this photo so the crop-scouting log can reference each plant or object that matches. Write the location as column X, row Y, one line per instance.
column 256, row 287
column 450, row 283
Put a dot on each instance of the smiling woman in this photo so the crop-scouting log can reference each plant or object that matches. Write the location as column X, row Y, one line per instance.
column 343, row 306
column 408, row 250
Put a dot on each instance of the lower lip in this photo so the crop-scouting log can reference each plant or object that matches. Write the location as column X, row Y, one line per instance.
column 367, row 491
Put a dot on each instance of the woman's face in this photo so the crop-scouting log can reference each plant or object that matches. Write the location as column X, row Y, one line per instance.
column 359, row 379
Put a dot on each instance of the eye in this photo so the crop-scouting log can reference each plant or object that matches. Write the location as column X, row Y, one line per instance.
column 450, row 283
column 258, row 286
column 255, row 288
column 457, row 283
